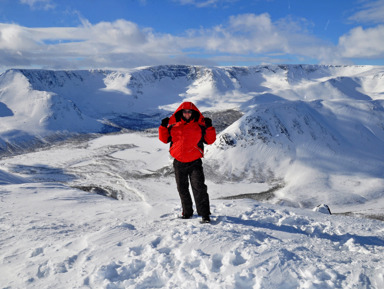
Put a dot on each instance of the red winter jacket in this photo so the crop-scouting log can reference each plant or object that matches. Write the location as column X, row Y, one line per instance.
column 187, row 138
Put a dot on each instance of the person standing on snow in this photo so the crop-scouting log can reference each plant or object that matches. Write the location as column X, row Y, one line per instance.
column 187, row 130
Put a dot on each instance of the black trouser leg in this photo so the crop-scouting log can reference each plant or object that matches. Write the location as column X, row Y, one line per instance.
column 181, row 175
column 194, row 172
column 199, row 189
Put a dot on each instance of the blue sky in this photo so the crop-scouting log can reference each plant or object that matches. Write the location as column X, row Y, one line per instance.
column 84, row 34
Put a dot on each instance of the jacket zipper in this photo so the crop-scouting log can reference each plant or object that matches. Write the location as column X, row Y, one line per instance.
column 202, row 153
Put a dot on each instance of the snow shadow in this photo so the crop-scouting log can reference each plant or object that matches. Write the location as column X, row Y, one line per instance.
column 102, row 191
column 342, row 239
column 262, row 196
column 4, row 110
column 43, row 173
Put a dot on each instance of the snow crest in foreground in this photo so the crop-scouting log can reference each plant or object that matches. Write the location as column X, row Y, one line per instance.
column 56, row 237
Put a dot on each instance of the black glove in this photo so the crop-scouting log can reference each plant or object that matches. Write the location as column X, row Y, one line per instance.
column 208, row 122
column 164, row 122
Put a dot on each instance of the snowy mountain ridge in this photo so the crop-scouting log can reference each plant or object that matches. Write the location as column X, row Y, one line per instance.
column 99, row 94
column 324, row 123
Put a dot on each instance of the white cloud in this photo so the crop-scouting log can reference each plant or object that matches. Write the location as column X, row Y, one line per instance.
column 112, row 44
column 246, row 33
column 371, row 12
column 204, row 3
column 124, row 44
column 253, row 35
column 363, row 43
column 44, row 4
column 15, row 38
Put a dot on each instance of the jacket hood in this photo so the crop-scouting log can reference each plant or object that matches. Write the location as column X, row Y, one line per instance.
column 196, row 114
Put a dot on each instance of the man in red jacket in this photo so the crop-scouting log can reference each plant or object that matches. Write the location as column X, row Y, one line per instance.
column 187, row 130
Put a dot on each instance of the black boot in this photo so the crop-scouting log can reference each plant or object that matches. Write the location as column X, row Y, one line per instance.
column 206, row 219
column 185, row 216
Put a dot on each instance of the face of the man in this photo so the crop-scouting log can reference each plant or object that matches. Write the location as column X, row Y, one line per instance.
column 187, row 114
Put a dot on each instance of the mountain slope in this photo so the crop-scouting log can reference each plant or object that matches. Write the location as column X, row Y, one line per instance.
column 307, row 130
column 90, row 97
column 306, row 147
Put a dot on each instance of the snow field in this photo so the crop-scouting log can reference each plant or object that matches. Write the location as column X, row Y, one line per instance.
column 317, row 130
column 56, row 237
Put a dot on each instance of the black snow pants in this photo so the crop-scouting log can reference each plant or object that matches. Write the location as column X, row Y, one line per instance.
column 194, row 172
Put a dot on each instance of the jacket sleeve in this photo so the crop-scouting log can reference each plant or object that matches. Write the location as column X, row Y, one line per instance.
column 210, row 135
column 164, row 135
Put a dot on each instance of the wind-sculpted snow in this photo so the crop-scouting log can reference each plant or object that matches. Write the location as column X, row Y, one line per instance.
column 56, row 237
column 58, row 229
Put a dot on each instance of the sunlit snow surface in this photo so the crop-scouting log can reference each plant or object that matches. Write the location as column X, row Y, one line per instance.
column 100, row 211
column 55, row 236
